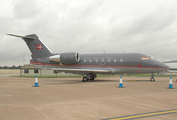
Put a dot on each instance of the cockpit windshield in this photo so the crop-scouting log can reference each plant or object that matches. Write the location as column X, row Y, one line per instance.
column 145, row 58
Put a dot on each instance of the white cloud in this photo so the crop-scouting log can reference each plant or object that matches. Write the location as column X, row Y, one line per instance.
column 91, row 25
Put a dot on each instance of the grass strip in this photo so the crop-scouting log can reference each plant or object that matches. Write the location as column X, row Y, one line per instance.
column 68, row 76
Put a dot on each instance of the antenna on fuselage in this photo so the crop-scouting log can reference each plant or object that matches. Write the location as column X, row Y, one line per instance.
column 154, row 56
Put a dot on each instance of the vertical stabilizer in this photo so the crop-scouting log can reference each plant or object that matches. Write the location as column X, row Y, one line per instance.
column 36, row 46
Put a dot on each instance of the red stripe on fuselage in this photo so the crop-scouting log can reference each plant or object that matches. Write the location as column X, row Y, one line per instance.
column 39, row 63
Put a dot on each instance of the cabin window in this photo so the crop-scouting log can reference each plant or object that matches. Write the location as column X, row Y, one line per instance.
column 84, row 60
column 90, row 60
column 102, row 60
column 96, row 60
column 121, row 60
column 145, row 58
column 108, row 60
column 114, row 60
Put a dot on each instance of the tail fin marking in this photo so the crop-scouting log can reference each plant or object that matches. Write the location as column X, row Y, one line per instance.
column 36, row 46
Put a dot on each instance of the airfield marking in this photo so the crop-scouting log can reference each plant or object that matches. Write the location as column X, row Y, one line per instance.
column 131, row 80
column 137, row 80
column 144, row 115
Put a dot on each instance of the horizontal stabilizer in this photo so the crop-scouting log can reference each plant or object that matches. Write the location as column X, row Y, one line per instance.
column 23, row 37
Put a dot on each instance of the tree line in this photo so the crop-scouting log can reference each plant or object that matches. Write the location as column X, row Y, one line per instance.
column 11, row 67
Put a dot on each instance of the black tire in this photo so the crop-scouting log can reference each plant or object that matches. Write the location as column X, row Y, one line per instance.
column 91, row 78
column 152, row 79
column 84, row 79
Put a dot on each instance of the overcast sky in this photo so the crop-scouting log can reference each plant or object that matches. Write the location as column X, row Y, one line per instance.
column 92, row 26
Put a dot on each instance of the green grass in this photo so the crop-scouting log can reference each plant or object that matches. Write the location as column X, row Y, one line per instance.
column 149, row 75
column 59, row 76
column 47, row 76
column 68, row 76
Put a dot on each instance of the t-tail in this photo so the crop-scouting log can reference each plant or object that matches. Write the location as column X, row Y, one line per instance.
column 36, row 46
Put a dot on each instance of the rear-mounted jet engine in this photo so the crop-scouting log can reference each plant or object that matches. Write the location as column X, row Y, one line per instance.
column 66, row 58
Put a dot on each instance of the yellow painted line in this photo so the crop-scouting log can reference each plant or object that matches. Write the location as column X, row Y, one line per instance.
column 145, row 115
column 131, row 80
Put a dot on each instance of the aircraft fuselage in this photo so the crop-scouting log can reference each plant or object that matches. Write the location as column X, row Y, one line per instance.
column 91, row 64
column 118, row 63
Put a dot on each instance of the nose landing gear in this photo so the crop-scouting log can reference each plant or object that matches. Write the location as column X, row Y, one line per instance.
column 152, row 79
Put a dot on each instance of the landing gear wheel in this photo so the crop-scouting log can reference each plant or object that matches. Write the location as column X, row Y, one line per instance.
column 91, row 78
column 84, row 79
column 152, row 79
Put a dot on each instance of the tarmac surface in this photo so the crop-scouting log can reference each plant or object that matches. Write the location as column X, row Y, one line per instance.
column 70, row 98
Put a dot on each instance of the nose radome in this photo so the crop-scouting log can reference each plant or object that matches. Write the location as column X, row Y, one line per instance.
column 163, row 65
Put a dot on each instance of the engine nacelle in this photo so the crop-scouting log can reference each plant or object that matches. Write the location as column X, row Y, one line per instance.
column 66, row 58
column 69, row 58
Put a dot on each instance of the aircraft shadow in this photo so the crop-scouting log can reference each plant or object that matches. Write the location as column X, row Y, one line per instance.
column 104, row 81
column 76, row 81
column 52, row 82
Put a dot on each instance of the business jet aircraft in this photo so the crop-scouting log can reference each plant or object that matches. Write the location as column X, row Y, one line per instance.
column 91, row 64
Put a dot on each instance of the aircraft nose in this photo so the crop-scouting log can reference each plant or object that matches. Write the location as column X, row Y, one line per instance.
column 162, row 65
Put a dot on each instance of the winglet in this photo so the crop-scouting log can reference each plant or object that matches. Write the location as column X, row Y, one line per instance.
column 23, row 37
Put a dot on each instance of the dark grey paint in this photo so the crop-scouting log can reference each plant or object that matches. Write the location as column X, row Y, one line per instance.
column 109, row 63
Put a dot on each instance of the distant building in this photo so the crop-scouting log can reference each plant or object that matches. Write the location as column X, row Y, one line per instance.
column 31, row 70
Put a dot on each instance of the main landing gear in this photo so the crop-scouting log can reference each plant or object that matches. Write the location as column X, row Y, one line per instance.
column 89, row 77
column 152, row 79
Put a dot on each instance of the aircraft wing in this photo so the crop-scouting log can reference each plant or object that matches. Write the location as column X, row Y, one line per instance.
column 82, row 71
